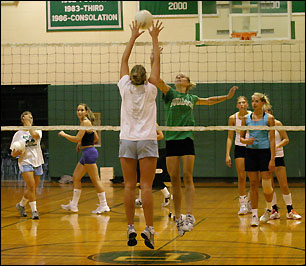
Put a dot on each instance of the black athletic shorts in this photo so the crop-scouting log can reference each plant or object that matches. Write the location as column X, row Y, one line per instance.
column 179, row 147
column 279, row 161
column 257, row 160
column 239, row 151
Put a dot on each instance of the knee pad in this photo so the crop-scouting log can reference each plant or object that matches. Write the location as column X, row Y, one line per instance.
column 267, row 186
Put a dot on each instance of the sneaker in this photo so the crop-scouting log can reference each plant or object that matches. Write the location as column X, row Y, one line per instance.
column 138, row 203
column 293, row 215
column 131, row 235
column 35, row 215
column 180, row 226
column 21, row 210
column 243, row 210
column 266, row 216
column 254, row 220
column 148, row 237
column 275, row 215
column 188, row 223
column 249, row 206
column 70, row 207
column 101, row 209
column 167, row 200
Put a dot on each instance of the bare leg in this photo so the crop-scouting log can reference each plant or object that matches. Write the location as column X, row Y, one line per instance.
column 129, row 170
column 147, row 174
column 188, row 164
column 173, row 167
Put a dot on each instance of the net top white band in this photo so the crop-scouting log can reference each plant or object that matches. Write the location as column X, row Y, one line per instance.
column 163, row 128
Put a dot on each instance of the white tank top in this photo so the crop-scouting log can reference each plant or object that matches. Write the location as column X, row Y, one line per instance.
column 279, row 151
column 238, row 123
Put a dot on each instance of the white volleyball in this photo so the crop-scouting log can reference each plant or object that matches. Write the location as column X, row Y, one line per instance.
column 19, row 145
column 145, row 18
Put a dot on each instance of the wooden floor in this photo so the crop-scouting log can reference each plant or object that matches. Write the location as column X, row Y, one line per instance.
column 219, row 237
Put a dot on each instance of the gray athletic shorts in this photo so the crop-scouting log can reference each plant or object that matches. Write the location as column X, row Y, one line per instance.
column 138, row 149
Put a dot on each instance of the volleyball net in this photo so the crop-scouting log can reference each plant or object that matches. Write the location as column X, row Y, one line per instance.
column 88, row 73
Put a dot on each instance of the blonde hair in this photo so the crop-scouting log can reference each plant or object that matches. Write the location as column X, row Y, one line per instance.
column 23, row 114
column 264, row 98
column 243, row 97
column 138, row 75
column 191, row 83
column 90, row 115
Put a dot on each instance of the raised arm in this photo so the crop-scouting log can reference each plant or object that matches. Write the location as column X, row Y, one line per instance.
column 217, row 99
column 161, row 84
column 155, row 71
column 124, row 69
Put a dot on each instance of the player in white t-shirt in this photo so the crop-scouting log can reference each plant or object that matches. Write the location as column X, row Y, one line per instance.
column 239, row 154
column 30, row 163
column 138, row 132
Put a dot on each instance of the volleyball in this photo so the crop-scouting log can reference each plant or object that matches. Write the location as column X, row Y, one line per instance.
column 19, row 145
column 144, row 18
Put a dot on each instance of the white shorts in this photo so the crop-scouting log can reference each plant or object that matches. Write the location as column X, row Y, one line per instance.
column 138, row 149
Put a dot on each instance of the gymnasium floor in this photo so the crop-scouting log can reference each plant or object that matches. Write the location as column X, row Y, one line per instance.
column 220, row 236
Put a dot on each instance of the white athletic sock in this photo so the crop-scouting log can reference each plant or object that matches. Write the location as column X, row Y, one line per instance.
column 255, row 212
column 269, row 205
column 102, row 198
column 76, row 196
column 23, row 201
column 274, row 200
column 243, row 200
column 33, row 205
column 165, row 192
column 287, row 199
column 151, row 229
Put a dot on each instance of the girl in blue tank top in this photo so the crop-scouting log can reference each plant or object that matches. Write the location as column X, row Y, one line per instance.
column 260, row 155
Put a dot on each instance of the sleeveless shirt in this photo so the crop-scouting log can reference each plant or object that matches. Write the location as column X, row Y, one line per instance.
column 261, row 136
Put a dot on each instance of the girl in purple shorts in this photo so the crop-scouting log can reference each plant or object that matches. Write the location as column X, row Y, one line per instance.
column 85, row 140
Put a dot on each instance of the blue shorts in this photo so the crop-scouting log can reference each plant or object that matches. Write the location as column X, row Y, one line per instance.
column 89, row 156
column 138, row 149
column 30, row 168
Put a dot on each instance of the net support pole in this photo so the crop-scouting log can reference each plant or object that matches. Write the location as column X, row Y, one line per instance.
column 289, row 7
column 200, row 20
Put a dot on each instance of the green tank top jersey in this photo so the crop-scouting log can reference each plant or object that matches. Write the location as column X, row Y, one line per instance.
column 179, row 112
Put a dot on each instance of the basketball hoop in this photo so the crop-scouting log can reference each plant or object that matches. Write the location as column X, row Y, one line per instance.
column 244, row 35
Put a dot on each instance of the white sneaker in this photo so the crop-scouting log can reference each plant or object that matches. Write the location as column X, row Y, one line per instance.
column 148, row 237
column 274, row 215
column 167, row 200
column 131, row 235
column 101, row 209
column 138, row 203
column 243, row 210
column 266, row 216
column 254, row 220
column 70, row 207
column 180, row 226
column 293, row 215
column 188, row 223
